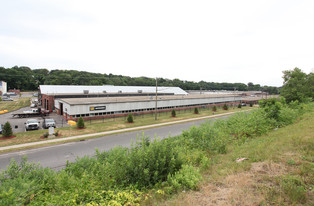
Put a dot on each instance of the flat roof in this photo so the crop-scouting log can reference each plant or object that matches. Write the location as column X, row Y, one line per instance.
column 102, row 89
column 108, row 100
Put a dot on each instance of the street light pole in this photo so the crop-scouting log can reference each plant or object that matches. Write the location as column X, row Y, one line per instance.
column 156, row 102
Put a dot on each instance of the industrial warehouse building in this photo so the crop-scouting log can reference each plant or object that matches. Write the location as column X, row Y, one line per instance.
column 49, row 93
column 107, row 101
column 73, row 108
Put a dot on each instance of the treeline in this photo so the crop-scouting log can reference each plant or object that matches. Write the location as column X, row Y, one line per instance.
column 25, row 78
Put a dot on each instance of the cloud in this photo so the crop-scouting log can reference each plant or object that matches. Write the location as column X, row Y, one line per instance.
column 215, row 41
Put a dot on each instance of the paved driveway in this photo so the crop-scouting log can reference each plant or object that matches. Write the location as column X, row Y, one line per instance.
column 18, row 124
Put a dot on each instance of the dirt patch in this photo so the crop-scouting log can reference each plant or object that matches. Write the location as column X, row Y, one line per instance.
column 4, row 138
column 243, row 188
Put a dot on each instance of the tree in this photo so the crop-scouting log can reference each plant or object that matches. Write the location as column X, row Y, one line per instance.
column 297, row 85
column 173, row 113
column 80, row 123
column 195, row 110
column 214, row 109
column 130, row 118
column 225, row 107
column 7, row 130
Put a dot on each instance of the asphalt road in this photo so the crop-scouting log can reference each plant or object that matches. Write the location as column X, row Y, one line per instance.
column 56, row 156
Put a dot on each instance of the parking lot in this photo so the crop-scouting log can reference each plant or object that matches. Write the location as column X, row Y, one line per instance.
column 18, row 124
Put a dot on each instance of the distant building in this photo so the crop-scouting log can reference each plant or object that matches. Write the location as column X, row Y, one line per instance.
column 3, row 87
column 15, row 91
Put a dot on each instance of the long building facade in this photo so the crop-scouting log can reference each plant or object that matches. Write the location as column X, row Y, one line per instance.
column 49, row 93
column 73, row 108
column 93, row 102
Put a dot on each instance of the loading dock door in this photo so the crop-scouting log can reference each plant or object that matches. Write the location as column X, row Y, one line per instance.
column 61, row 108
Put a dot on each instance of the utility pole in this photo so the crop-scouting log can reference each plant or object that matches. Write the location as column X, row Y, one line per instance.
column 234, row 94
column 156, row 102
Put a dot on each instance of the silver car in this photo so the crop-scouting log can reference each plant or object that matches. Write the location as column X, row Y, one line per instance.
column 49, row 123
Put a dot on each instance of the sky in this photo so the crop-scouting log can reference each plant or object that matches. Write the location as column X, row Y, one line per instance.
column 201, row 40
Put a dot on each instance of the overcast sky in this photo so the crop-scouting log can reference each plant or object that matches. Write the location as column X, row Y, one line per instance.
column 214, row 41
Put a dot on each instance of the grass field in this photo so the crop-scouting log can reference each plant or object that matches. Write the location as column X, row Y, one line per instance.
column 15, row 105
column 111, row 124
column 279, row 170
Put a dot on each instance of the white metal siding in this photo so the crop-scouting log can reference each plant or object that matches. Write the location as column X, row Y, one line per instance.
column 123, row 106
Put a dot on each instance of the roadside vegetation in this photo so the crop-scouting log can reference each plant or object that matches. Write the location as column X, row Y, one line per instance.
column 151, row 171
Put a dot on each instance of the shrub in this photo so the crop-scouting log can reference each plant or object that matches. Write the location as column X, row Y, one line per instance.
column 225, row 107
column 20, row 182
column 46, row 135
column 80, row 123
column 251, row 104
column 56, row 133
column 239, row 106
column 186, row 178
column 7, row 130
column 214, row 109
column 196, row 110
column 149, row 164
column 130, row 118
column 173, row 113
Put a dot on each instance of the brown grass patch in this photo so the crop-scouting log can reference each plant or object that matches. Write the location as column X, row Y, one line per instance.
column 244, row 188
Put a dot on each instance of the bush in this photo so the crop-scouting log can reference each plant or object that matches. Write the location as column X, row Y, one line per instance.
column 239, row 106
column 214, row 109
column 46, row 135
column 130, row 118
column 225, row 107
column 56, row 133
column 20, row 182
column 196, row 110
column 7, row 130
column 186, row 178
column 251, row 104
column 149, row 164
column 80, row 123
column 173, row 113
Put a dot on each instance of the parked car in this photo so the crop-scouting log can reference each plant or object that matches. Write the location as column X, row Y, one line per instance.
column 9, row 94
column 1, row 128
column 32, row 124
column 6, row 99
column 49, row 123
